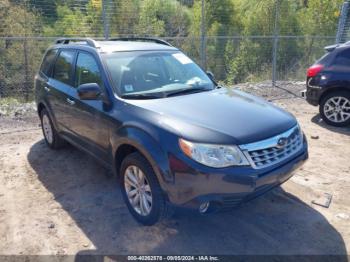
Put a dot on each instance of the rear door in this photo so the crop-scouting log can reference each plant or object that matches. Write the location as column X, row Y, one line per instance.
column 43, row 81
column 58, row 87
column 88, row 119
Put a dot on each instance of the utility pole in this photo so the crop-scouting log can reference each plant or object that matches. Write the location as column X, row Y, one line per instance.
column 275, row 45
column 203, row 53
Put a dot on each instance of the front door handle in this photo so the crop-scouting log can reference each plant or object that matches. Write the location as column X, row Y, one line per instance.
column 70, row 101
column 47, row 89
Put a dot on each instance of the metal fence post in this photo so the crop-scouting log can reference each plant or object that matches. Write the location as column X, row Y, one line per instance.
column 203, row 52
column 341, row 23
column 105, row 19
column 275, row 45
column 25, row 53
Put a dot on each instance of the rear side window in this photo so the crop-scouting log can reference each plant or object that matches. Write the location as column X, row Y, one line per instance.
column 343, row 58
column 87, row 70
column 63, row 69
column 48, row 61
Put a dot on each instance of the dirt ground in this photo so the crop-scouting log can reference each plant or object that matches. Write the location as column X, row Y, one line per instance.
column 61, row 202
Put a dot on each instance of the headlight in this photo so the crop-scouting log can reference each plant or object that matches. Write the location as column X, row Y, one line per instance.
column 213, row 155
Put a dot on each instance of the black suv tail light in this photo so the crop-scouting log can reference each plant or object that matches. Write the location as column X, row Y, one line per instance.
column 314, row 70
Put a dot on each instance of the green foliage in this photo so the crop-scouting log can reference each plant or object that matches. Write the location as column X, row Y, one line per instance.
column 221, row 20
column 319, row 17
column 74, row 22
column 233, row 52
column 163, row 18
column 255, row 54
column 295, row 18
column 18, row 58
column 127, row 19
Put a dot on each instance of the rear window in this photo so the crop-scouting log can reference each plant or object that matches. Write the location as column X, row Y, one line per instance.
column 48, row 61
column 63, row 70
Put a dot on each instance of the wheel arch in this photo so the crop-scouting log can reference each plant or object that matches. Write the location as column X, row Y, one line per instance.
column 42, row 105
column 332, row 90
column 133, row 139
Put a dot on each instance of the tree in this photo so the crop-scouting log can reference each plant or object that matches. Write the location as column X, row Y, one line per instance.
column 18, row 56
column 253, row 56
column 77, row 21
column 221, row 22
column 126, row 18
column 318, row 18
column 163, row 18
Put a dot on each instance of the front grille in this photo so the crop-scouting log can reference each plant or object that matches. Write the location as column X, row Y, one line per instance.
column 272, row 151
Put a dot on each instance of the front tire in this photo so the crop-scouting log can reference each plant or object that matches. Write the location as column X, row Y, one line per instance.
column 335, row 108
column 141, row 190
column 52, row 138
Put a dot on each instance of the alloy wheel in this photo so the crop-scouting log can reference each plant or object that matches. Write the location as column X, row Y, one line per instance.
column 138, row 190
column 48, row 132
column 337, row 109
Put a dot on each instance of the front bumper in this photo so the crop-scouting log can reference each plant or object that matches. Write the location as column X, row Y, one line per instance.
column 229, row 187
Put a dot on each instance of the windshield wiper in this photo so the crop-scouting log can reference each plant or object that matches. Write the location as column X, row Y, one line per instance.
column 140, row 96
column 187, row 91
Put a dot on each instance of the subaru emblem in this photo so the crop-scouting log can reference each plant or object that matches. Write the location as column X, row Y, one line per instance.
column 282, row 142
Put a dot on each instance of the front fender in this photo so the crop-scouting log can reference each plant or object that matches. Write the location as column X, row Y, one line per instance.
column 149, row 147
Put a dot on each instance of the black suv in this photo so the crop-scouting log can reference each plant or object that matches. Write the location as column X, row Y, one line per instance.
column 328, row 85
column 158, row 121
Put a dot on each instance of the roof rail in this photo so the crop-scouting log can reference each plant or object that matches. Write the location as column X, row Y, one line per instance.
column 88, row 41
column 149, row 39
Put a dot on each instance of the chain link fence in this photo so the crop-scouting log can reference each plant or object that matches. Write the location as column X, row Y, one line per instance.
column 246, row 41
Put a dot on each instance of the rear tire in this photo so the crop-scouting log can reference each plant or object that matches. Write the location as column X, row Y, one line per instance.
column 52, row 138
column 335, row 108
column 139, row 183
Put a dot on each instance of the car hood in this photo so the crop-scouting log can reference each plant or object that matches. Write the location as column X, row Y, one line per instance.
column 222, row 115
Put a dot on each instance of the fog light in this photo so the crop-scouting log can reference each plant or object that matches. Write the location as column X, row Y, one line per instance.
column 204, row 207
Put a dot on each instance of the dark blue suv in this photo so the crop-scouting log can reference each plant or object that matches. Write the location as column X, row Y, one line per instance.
column 328, row 85
column 172, row 135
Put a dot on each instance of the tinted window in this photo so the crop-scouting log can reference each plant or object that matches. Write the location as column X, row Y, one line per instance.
column 48, row 61
column 343, row 58
column 63, row 67
column 87, row 70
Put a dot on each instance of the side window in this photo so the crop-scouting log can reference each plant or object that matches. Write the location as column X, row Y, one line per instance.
column 48, row 61
column 63, row 67
column 87, row 70
column 343, row 58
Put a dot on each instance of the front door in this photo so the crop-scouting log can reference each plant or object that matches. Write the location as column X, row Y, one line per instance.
column 88, row 121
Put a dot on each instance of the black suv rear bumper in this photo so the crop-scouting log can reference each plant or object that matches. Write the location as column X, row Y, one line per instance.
column 313, row 95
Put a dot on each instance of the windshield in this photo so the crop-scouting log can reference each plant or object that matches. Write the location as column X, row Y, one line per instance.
column 155, row 74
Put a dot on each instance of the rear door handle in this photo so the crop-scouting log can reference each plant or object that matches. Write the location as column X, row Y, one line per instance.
column 70, row 101
column 47, row 89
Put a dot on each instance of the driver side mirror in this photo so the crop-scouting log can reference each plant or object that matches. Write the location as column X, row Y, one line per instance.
column 89, row 91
